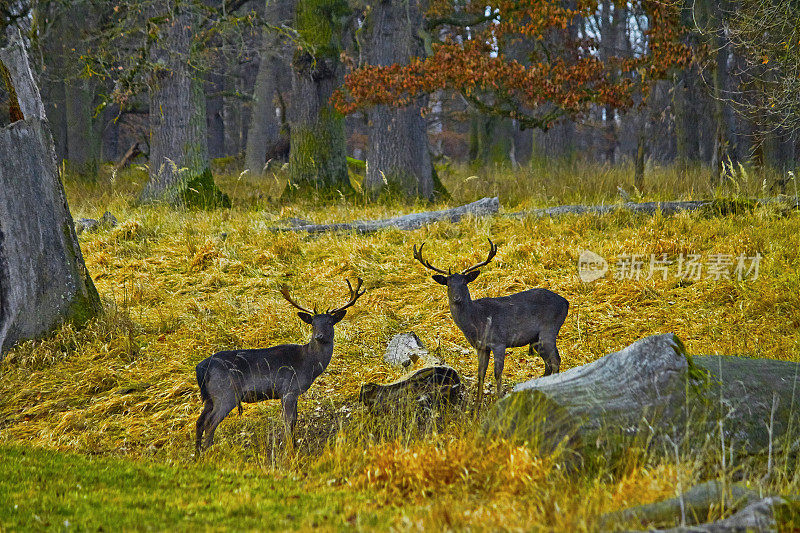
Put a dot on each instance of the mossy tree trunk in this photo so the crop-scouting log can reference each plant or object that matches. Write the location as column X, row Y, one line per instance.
column 317, row 153
column 398, row 152
column 179, row 165
column 43, row 278
column 265, row 136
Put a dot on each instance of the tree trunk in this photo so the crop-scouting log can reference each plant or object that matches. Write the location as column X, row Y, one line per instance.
column 638, row 174
column 109, row 134
column 264, row 123
column 318, row 156
column 713, row 11
column 214, row 118
column 680, row 113
column 652, row 394
column 83, row 145
column 264, row 135
column 43, row 279
column 232, row 112
column 82, row 127
column 398, row 152
column 179, row 166
column 609, row 27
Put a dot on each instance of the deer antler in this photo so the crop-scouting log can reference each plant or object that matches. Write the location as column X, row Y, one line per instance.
column 285, row 293
column 492, row 252
column 354, row 295
column 418, row 257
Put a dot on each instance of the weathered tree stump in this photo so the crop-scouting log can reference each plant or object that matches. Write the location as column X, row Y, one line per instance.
column 43, row 279
column 429, row 386
column 654, row 394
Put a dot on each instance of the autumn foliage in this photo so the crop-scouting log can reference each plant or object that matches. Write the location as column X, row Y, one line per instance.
column 531, row 60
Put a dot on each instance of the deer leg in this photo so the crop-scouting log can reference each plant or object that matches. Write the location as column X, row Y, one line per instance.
column 552, row 360
column 289, row 407
column 222, row 407
column 483, row 364
column 499, row 353
column 208, row 406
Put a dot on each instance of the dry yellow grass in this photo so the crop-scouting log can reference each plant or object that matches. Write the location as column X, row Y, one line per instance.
column 180, row 285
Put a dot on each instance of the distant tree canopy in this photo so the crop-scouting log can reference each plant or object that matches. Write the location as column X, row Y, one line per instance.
column 766, row 35
column 531, row 60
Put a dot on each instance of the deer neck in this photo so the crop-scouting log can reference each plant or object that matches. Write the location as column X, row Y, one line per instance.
column 462, row 311
column 318, row 353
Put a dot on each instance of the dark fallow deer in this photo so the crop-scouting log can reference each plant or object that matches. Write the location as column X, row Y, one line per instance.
column 531, row 317
column 286, row 371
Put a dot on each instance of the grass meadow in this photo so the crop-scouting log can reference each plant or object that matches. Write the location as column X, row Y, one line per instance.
column 97, row 424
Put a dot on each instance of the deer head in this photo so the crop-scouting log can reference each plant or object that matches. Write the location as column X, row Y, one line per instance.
column 322, row 323
column 457, row 291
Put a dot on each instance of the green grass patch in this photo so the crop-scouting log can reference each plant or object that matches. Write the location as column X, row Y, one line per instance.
column 42, row 489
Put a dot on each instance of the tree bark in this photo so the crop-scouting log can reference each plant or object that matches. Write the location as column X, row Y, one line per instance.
column 680, row 112
column 652, row 394
column 214, row 118
column 609, row 28
column 83, row 143
column 264, row 135
column 43, row 278
column 398, row 151
column 317, row 157
column 82, row 127
column 179, row 166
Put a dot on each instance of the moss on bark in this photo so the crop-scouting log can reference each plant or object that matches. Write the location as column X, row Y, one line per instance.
column 317, row 162
column 200, row 192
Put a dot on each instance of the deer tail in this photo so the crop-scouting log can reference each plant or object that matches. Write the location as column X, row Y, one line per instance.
column 200, row 371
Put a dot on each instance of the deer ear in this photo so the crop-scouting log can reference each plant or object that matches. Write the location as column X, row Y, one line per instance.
column 338, row 315
column 305, row 317
column 441, row 280
column 470, row 276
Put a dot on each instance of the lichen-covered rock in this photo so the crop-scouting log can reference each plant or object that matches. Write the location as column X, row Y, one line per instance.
column 404, row 349
column 89, row 224
column 86, row 224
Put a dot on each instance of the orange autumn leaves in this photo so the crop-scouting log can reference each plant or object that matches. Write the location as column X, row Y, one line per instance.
column 559, row 68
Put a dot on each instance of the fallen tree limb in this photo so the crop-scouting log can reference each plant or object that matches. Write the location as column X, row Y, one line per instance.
column 481, row 208
column 653, row 396
column 692, row 507
column 719, row 206
column 491, row 206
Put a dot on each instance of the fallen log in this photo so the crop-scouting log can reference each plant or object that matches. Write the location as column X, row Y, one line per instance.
column 690, row 511
column 690, row 508
column 133, row 152
column 655, row 396
column 717, row 206
column 481, row 208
